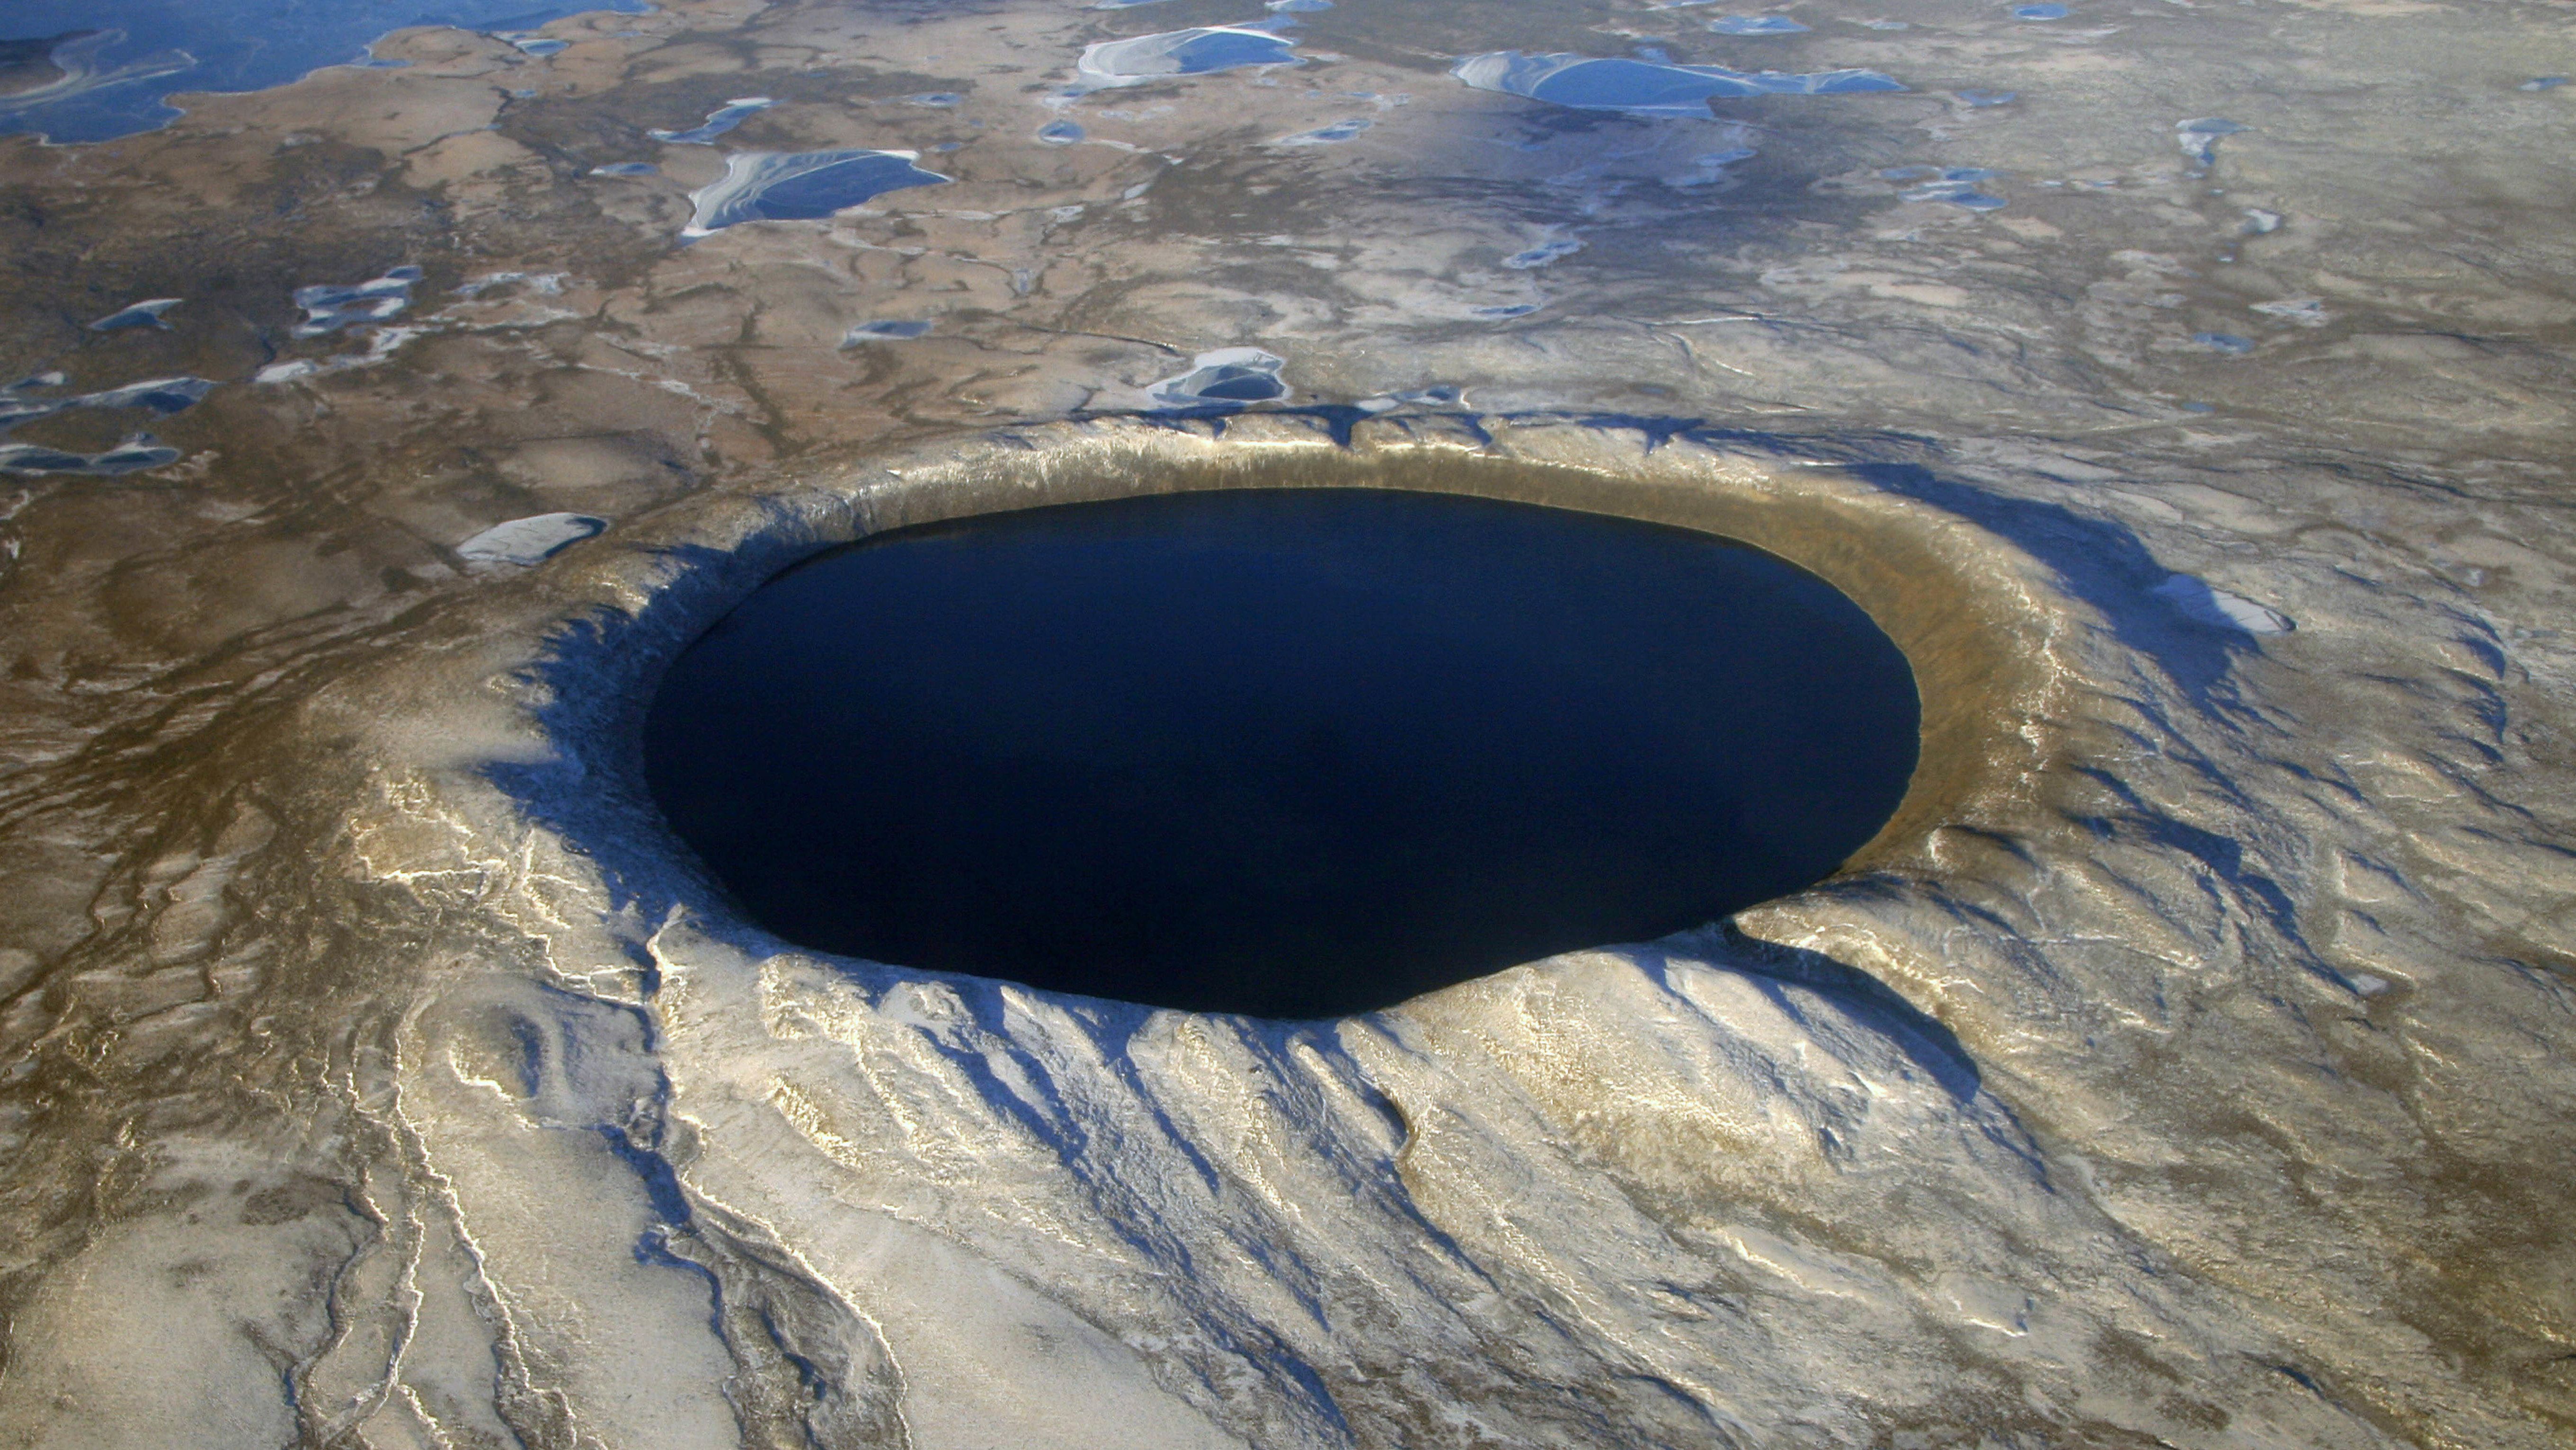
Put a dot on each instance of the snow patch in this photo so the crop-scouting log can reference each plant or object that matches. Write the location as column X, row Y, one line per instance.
column 2196, row 599
column 522, row 543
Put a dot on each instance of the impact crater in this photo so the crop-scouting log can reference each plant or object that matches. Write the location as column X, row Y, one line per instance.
column 1240, row 743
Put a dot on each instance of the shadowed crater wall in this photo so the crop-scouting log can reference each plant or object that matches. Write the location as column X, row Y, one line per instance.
column 1286, row 752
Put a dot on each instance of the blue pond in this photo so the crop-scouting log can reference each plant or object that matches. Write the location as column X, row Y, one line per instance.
column 1954, row 184
column 885, row 330
column 1648, row 88
column 119, row 60
column 1229, row 378
column 773, row 186
column 1332, row 135
column 2199, row 139
column 1542, row 254
column 719, row 121
column 151, row 313
column 1204, row 50
column 132, row 456
column 329, row 308
column 1230, row 385
column 1291, row 753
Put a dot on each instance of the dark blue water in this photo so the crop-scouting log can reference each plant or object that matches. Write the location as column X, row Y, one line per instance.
column 1286, row 753
column 803, row 186
column 1649, row 87
column 142, row 50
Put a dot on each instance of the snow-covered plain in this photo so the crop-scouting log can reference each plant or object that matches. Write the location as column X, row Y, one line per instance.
column 2187, row 1063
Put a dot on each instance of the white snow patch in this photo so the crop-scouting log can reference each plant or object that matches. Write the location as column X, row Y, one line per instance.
column 1228, row 376
column 2198, row 600
column 529, row 541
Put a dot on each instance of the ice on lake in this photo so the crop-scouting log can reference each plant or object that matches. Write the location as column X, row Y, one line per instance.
column 885, row 330
column 526, row 542
column 719, row 121
column 330, row 307
column 1204, row 50
column 137, row 454
column 2199, row 600
column 1756, row 25
column 1229, row 377
column 800, row 186
column 1332, row 135
column 152, row 312
column 114, row 76
column 1648, row 88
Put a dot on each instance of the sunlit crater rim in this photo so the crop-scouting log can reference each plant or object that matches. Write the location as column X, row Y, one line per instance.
column 1284, row 752
column 1951, row 598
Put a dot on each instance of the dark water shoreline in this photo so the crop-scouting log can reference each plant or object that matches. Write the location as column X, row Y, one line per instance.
column 1292, row 753
column 102, row 64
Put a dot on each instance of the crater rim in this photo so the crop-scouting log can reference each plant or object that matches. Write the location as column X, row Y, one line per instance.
column 1956, row 601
